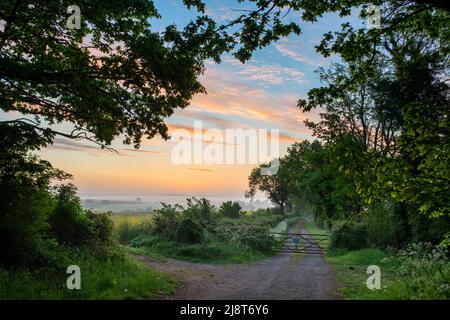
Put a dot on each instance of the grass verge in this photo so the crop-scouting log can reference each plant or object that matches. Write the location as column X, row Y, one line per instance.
column 117, row 279
column 351, row 271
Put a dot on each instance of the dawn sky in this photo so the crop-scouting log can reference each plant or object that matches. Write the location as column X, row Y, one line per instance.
column 259, row 94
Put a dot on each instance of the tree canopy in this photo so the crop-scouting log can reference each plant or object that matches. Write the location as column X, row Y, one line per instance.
column 115, row 76
column 112, row 76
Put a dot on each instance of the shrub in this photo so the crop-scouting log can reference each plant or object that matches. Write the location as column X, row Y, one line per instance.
column 69, row 224
column 102, row 226
column 426, row 229
column 230, row 209
column 349, row 235
column 165, row 220
column 23, row 223
column 200, row 210
column 427, row 270
column 188, row 231
column 381, row 229
column 256, row 238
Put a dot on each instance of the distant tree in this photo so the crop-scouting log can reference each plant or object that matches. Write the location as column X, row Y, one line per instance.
column 230, row 209
column 272, row 186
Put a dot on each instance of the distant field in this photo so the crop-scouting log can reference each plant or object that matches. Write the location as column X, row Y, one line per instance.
column 132, row 218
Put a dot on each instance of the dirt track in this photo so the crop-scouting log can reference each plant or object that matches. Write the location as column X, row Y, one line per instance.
column 284, row 276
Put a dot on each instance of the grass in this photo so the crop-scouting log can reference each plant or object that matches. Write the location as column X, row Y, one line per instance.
column 313, row 228
column 351, row 270
column 117, row 279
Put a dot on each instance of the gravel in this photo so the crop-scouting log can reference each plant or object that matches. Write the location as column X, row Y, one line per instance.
column 285, row 276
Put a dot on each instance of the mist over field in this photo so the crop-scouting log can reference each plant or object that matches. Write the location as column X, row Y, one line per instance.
column 117, row 203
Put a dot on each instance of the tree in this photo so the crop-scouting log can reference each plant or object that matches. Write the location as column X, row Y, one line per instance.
column 230, row 209
column 315, row 179
column 26, row 202
column 273, row 186
column 270, row 19
column 112, row 76
column 398, row 113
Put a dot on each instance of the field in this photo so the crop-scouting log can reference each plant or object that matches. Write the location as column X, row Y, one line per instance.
column 132, row 218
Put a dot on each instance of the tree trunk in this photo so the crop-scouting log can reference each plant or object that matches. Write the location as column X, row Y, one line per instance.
column 282, row 208
column 405, row 233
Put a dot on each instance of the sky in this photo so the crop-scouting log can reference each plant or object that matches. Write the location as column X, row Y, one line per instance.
column 260, row 94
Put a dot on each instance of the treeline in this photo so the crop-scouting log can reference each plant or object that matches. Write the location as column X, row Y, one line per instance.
column 379, row 169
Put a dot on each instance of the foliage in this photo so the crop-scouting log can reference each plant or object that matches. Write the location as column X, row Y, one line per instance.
column 381, row 226
column 116, row 278
column 348, row 235
column 212, row 250
column 227, row 240
column 256, row 238
column 384, row 138
column 37, row 223
column 428, row 269
column 69, row 224
column 112, row 76
column 188, row 231
column 200, row 210
column 165, row 220
column 24, row 193
column 230, row 209
column 316, row 182
column 270, row 184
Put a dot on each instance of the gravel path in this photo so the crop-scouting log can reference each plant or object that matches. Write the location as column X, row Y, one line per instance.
column 285, row 276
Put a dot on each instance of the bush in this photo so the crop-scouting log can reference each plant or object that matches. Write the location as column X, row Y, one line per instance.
column 349, row 235
column 188, row 231
column 256, row 238
column 165, row 220
column 103, row 226
column 23, row 223
column 426, row 229
column 427, row 270
column 381, row 229
column 230, row 209
column 68, row 223
column 200, row 210
column 71, row 225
